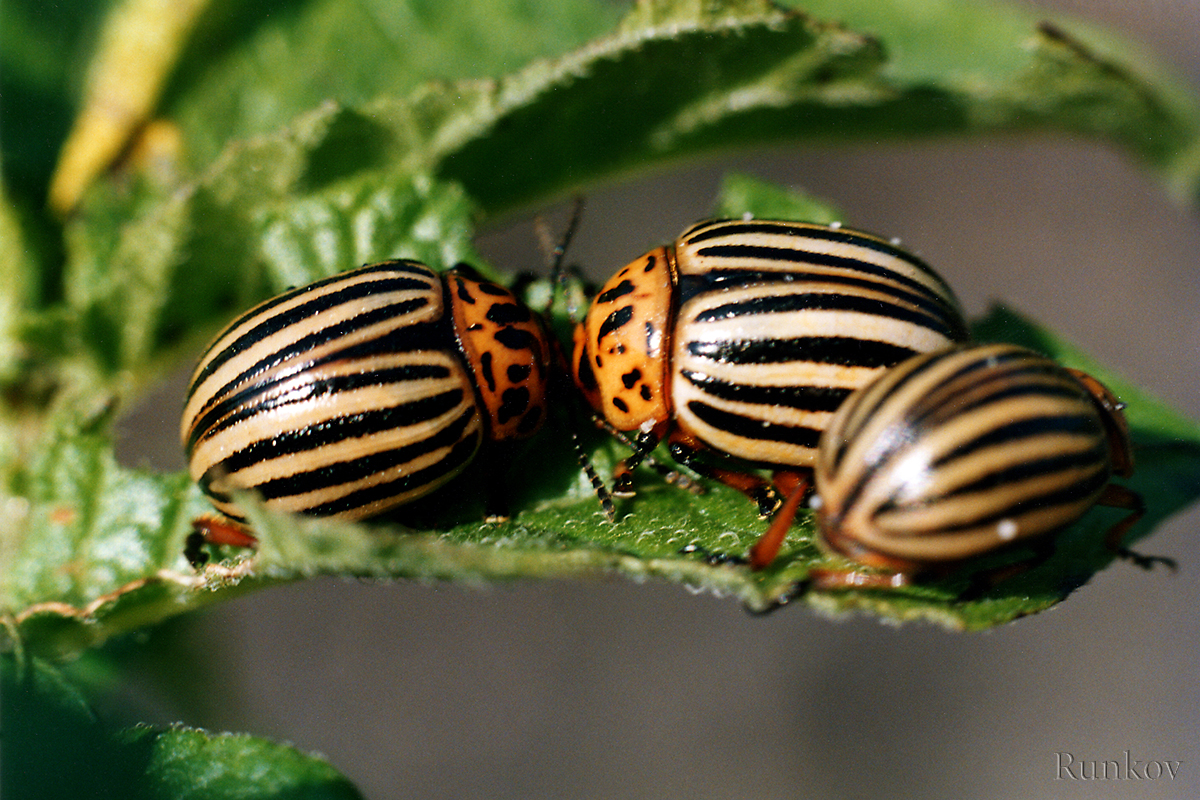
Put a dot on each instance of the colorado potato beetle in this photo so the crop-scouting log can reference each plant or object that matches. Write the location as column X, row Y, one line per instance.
column 364, row 391
column 738, row 342
column 957, row 455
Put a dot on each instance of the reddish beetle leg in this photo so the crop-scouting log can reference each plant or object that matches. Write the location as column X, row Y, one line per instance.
column 795, row 486
column 212, row 530
column 1116, row 496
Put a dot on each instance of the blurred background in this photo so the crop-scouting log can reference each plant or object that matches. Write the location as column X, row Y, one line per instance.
column 611, row 689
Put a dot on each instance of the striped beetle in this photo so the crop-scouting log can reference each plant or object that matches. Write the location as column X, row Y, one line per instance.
column 956, row 455
column 737, row 343
column 364, row 391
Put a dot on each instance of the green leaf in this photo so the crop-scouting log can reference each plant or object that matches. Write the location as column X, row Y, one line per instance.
column 122, row 576
column 677, row 80
column 743, row 195
column 43, row 50
column 55, row 747
column 282, row 59
column 356, row 158
column 16, row 270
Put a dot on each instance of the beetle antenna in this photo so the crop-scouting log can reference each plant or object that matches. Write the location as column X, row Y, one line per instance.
column 556, row 250
column 602, row 493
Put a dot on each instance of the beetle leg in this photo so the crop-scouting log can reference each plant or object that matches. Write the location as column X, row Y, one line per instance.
column 1116, row 496
column 209, row 529
column 687, row 453
column 711, row 558
column 671, row 476
column 763, row 552
column 789, row 480
column 645, row 442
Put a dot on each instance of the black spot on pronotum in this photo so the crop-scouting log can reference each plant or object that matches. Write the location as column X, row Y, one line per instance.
column 493, row 290
column 621, row 404
column 508, row 313
column 516, row 339
column 614, row 321
column 513, row 403
column 485, row 369
column 631, row 378
column 586, row 377
column 530, row 421
column 463, row 292
column 620, row 290
column 645, row 392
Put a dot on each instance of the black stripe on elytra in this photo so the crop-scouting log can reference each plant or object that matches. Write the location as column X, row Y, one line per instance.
column 1075, row 492
column 342, row 472
column 458, row 456
column 257, row 398
column 842, row 351
column 410, row 267
column 991, row 383
column 403, row 339
column 906, row 376
column 270, row 324
column 299, row 346
column 752, row 428
column 806, row 398
column 721, row 276
column 826, row 301
column 1092, row 461
column 1013, row 433
column 913, row 293
column 340, row 428
column 840, row 235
